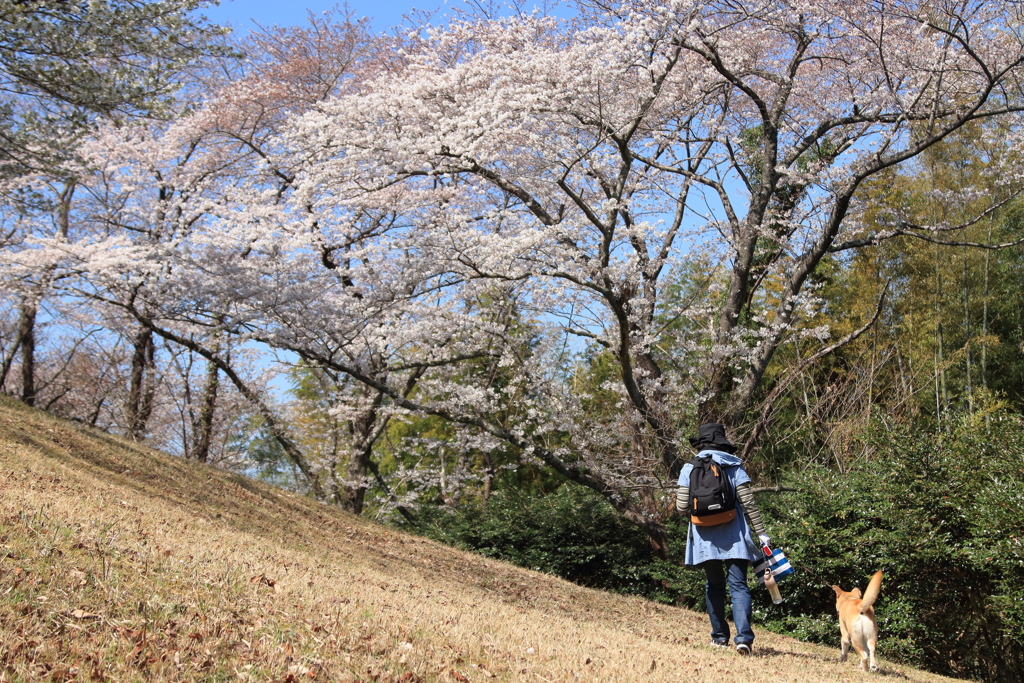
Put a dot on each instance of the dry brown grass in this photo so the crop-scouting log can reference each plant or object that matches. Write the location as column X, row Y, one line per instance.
column 118, row 563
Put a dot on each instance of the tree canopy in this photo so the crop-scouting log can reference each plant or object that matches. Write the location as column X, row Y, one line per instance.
column 460, row 229
column 63, row 61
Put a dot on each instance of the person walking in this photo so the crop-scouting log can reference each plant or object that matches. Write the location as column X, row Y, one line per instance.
column 723, row 549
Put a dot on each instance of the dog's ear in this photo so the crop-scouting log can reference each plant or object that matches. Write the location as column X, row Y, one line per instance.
column 838, row 590
column 855, row 593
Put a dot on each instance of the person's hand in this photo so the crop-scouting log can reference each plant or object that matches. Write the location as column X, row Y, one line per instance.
column 764, row 540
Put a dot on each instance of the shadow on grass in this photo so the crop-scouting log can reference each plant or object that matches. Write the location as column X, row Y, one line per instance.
column 810, row 657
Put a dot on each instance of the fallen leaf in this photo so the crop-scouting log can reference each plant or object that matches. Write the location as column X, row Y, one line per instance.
column 62, row 674
column 82, row 614
column 300, row 670
column 261, row 579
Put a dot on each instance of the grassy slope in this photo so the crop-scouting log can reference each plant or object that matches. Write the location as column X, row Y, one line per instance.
column 119, row 563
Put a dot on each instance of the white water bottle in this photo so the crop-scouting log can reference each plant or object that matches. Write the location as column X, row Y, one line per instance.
column 769, row 578
column 773, row 588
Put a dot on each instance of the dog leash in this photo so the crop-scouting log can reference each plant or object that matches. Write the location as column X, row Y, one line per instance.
column 813, row 573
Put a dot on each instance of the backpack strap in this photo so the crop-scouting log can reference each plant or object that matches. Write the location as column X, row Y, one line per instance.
column 683, row 492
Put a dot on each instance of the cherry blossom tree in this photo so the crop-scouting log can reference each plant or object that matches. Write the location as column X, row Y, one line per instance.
column 36, row 207
column 159, row 201
column 585, row 169
column 528, row 221
column 64, row 64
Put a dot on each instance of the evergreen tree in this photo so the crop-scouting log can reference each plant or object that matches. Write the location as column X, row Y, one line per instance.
column 62, row 62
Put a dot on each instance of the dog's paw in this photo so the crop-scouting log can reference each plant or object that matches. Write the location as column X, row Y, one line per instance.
column 874, row 668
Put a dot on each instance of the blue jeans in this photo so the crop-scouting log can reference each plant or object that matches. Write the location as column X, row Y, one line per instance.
column 735, row 572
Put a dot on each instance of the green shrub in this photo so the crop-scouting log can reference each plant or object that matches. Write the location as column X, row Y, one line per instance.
column 941, row 514
column 571, row 533
column 943, row 517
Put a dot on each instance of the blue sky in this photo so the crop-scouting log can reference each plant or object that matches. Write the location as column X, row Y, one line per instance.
column 242, row 13
column 246, row 14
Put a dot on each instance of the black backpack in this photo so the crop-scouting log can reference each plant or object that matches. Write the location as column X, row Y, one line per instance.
column 712, row 500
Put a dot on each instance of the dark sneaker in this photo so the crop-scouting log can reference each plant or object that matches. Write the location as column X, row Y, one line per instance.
column 719, row 643
column 742, row 649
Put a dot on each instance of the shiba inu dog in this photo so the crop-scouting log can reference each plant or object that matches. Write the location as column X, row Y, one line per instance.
column 857, row 621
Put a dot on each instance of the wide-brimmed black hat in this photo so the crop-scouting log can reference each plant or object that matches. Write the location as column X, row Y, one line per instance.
column 713, row 433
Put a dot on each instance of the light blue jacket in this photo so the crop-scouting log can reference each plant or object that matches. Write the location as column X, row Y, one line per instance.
column 729, row 541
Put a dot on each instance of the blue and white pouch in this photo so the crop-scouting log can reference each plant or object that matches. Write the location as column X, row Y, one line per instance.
column 780, row 566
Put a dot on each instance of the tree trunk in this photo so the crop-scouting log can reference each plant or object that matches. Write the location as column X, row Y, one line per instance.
column 354, row 495
column 969, row 360
column 364, row 435
column 202, row 429
column 141, row 391
column 488, row 478
column 5, row 368
column 658, row 536
column 27, row 335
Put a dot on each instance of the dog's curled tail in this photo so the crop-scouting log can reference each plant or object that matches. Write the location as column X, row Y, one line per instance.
column 871, row 594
